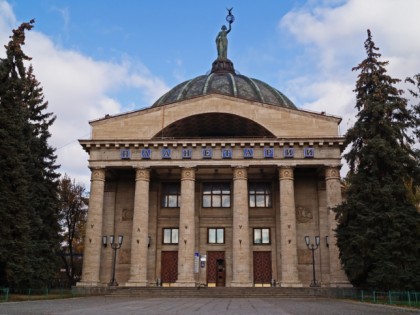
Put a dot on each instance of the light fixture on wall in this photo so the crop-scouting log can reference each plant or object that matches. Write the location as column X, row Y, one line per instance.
column 105, row 240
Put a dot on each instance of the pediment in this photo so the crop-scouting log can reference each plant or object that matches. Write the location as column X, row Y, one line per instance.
column 224, row 112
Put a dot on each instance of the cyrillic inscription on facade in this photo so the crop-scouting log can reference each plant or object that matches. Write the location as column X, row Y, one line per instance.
column 248, row 153
column 125, row 154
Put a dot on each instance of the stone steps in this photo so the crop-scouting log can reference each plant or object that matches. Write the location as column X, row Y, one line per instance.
column 220, row 292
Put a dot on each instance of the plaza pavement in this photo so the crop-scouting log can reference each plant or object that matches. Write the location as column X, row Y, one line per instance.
column 201, row 306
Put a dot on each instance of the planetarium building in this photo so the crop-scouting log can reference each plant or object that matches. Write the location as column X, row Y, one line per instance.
column 217, row 183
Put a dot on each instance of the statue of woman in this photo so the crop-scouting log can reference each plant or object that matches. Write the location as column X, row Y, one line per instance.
column 222, row 42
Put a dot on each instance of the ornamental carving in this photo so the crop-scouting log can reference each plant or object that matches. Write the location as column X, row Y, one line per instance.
column 332, row 173
column 286, row 173
column 127, row 214
column 143, row 174
column 98, row 174
column 239, row 173
column 188, row 173
column 303, row 214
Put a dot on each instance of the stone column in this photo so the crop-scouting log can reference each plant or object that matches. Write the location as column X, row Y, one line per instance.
column 93, row 239
column 289, row 260
column 186, row 242
column 140, row 234
column 240, row 241
column 333, row 191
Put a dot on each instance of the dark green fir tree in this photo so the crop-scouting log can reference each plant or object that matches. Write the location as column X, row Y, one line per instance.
column 379, row 227
column 29, row 233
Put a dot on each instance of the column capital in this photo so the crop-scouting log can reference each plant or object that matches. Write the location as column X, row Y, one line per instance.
column 240, row 172
column 98, row 174
column 286, row 172
column 332, row 172
column 142, row 174
column 188, row 173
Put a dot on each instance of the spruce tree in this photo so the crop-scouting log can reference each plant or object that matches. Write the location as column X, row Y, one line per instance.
column 44, row 188
column 28, row 180
column 379, row 228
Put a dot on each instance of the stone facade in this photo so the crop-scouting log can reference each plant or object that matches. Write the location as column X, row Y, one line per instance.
column 243, row 204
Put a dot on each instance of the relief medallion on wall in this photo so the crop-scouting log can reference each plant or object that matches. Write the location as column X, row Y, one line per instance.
column 127, row 214
column 303, row 214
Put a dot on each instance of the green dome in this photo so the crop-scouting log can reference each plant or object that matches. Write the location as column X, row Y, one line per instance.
column 224, row 80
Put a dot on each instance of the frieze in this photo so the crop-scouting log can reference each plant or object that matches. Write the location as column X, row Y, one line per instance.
column 215, row 153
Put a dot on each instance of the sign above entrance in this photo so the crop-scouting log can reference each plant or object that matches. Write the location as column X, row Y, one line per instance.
column 211, row 153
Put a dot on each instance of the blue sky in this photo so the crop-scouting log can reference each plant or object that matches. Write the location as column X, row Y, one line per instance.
column 105, row 57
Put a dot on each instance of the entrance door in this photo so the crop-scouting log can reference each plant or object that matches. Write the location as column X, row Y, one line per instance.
column 169, row 267
column 262, row 268
column 216, row 271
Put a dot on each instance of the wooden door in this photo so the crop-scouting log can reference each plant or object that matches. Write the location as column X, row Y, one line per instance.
column 262, row 268
column 216, row 271
column 169, row 266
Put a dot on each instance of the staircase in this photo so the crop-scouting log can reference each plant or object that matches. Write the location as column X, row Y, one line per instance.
column 221, row 292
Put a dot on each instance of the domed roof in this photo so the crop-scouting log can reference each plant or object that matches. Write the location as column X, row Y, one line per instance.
column 224, row 80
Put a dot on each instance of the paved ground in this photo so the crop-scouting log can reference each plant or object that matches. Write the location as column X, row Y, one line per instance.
column 201, row 306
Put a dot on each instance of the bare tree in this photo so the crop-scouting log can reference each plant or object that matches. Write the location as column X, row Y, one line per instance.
column 73, row 213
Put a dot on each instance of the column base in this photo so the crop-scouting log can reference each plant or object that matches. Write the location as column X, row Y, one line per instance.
column 291, row 284
column 134, row 283
column 238, row 284
column 183, row 283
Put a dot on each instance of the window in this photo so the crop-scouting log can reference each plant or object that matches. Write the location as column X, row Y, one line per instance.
column 170, row 236
column 171, row 195
column 216, row 236
column 259, row 195
column 262, row 236
column 216, row 195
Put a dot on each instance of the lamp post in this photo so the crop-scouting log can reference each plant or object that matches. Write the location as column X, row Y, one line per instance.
column 115, row 247
column 313, row 247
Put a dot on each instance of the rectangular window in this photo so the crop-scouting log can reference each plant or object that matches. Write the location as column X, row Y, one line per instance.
column 262, row 236
column 216, row 195
column 171, row 195
column 259, row 195
column 216, row 235
column 170, row 236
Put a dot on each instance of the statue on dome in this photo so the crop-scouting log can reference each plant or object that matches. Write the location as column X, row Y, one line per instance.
column 221, row 39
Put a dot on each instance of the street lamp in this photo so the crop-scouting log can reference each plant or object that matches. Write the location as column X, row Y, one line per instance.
column 115, row 247
column 313, row 247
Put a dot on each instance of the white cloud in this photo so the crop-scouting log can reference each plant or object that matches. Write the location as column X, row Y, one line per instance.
column 332, row 36
column 78, row 89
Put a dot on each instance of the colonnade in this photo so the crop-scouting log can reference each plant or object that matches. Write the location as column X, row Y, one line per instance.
column 241, row 238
